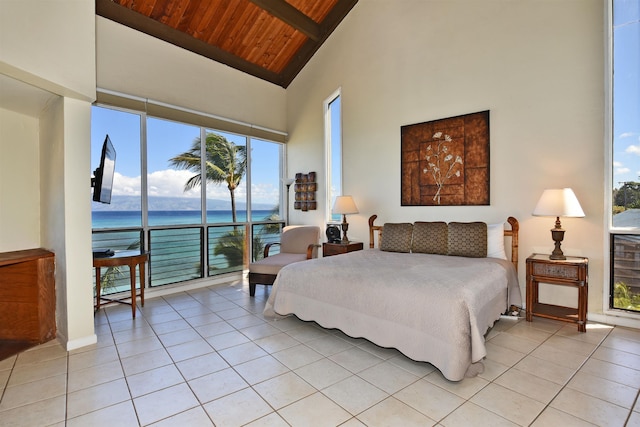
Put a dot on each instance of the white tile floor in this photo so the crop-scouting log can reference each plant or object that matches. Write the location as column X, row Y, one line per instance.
column 208, row 357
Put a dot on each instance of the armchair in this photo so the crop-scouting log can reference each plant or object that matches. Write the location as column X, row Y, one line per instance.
column 297, row 243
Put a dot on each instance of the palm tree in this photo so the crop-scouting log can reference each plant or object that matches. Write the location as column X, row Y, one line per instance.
column 225, row 162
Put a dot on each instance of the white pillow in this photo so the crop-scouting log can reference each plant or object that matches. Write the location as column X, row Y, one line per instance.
column 495, row 241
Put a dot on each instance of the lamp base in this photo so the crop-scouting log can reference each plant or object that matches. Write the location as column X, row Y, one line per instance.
column 345, row 227
column 557, row 234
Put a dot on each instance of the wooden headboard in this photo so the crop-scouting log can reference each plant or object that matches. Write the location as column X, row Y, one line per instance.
column 513, row 233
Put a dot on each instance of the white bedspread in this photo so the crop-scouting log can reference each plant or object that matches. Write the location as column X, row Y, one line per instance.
column 433, row 308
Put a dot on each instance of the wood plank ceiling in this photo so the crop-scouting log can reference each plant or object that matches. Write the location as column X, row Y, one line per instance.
column 269, row 39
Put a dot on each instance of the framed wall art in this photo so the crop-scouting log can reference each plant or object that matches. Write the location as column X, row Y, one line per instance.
column 445, row 162
column 305, row 191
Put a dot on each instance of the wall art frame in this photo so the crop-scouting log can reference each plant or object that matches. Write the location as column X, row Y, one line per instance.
column 305, row 188
column 445, row 162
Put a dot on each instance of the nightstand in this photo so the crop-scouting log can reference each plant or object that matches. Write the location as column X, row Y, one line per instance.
column 329, row 249
column 572, row 272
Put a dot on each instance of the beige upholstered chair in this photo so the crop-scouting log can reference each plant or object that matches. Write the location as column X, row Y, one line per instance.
column 297, row 243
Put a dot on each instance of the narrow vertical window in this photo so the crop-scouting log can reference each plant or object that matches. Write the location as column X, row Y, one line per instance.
column 625, row 136
column 333, row 144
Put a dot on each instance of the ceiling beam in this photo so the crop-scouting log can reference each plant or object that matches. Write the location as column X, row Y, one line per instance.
column 292, row 16
column 330, row 23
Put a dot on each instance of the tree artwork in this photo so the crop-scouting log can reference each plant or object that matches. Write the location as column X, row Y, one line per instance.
column 446, row 162
column 440, row 163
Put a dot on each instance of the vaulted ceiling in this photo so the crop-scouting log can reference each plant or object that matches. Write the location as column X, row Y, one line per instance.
column 269, row 39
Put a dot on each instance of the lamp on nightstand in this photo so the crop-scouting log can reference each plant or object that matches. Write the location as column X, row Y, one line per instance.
column 558, row 202
column 344, row 205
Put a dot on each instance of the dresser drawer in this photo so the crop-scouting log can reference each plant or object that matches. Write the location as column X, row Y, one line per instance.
column 571, row 272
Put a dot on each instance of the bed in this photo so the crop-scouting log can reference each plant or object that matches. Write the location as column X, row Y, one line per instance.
column 433, row 301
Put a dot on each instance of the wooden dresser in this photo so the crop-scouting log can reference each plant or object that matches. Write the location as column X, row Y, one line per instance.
column 27, row 296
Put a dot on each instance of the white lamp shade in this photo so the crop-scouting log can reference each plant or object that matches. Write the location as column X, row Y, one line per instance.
column 558, row 202
column 344, row 205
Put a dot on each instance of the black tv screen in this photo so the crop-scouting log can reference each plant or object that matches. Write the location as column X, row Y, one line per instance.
column 103, row 181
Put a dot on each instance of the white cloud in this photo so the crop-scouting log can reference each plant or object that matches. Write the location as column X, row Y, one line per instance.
column 633, row 149
column 265, row 193
column 220, row 191
column 627, row 135
column 170, row 183
column 125, row 185
column 622, row 170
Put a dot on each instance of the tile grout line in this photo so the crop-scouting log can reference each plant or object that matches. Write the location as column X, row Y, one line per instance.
column 575, row 372
column 633, row 405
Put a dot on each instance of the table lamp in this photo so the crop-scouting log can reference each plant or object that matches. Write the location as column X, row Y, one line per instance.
column 344, row 205
column 558, row 202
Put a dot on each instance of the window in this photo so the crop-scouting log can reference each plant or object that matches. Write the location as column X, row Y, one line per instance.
column 124, row 130
column 625, row 135
column 333, row 145
column 185, row 201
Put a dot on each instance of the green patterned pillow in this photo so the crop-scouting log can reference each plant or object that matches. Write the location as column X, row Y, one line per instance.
column 468, row 239
column 396, row 237
column 430, row 238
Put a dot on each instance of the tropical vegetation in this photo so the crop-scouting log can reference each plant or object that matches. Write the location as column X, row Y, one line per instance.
column 624, row 298
column 226, row 164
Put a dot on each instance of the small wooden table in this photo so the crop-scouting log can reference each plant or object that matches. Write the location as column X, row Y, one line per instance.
column 568, row 272
column 329, row 249
column 120, row 259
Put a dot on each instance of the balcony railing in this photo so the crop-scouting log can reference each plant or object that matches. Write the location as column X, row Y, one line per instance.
column 182, row 253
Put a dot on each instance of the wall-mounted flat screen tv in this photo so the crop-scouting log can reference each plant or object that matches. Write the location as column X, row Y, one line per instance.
column 103, row 180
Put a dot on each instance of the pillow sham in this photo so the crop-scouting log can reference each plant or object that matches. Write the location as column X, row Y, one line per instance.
column 467, row 239
column 495, row 241
column 396, row 237
column 430, row 238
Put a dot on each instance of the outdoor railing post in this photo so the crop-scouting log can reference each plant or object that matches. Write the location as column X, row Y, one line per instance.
column 247, row 247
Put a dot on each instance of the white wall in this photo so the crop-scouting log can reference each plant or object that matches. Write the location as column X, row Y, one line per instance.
column 133, row 63
column 65, row 132
column 536, row 65
column 50, row 45
column 19, row 182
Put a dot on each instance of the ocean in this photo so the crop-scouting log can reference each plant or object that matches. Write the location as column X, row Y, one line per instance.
column 123, row 219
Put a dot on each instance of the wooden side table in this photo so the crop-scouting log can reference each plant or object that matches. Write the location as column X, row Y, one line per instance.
column 330, row 249
column 572, row 272
column 131, row 259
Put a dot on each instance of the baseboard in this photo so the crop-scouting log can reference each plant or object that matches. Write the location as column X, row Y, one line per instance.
column 80, row 342
column 611, row 319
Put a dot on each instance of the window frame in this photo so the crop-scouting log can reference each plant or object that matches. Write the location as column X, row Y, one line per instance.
column 329, row 154
column 145, row 228
column 611, row 231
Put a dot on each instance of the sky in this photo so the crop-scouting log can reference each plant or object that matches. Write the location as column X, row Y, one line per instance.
column 626, row 92
column 166, row 139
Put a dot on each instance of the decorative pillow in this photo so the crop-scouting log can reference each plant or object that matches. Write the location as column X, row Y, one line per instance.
column 495, row 241
column 468, row 239
column 396, row 237
column 430, row 238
